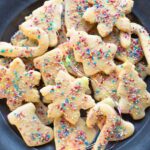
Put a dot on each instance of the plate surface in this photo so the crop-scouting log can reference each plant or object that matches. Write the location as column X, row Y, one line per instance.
column 10, row 138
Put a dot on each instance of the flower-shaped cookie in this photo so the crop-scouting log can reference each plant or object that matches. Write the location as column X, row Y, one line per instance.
column 134, row 98
column 68, row 97
column 114, row 127
column 109, row 13
column 17, row 85
column 74, row 10
column 95, row 55
column 73, row 137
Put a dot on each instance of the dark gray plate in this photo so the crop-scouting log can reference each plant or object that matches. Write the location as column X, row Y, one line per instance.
column 12, row 13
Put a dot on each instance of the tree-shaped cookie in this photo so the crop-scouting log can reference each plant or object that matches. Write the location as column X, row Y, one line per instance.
column 95, row 55
column 32, row 130
column 133, row 53
column 74, row 10
column 134, row 98
column 48, row 18
column 50, row 64
column 109, row 13
column 17, row 84
column 113, row 128
column 73, row 137
column 68, row 97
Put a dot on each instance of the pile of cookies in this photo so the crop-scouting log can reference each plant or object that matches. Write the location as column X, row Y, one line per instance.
column 75, row 55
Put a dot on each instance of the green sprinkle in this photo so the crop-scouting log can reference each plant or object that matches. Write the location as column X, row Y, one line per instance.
column 3, row 51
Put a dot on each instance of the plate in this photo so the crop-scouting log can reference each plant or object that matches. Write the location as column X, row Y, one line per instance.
column 11, row 139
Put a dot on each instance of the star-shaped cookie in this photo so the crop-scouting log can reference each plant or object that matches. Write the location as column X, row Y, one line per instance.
column 134, row 98
column 109, row 13
column 17, row 84
column 95, row 55
column 68, row 97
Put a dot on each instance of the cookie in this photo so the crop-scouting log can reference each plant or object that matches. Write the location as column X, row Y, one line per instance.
column 74, row 10
column 8, row 50
column 19, row 39
column 30, row 127
column 144, row 39
column 105, row 85
column 109, row 14
column 134, row 98
column 28, row 63
column 41, row 112
column 114, row 128
column 18, row 85
column 133, row 53
column 73, row 67
column 62, row 32
column 48, row 18
column 49, row 65
column 67, row 97
column 95, row 55
column 142, row 69
column 73, row 137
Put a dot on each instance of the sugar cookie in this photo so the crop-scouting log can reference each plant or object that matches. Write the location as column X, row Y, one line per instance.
column 32, row 130
column 73, row 67
column 68, row 97
column 105, row 85
column 28, row 63
column 74, row 10
column 109, row 14
column 48, row 18
column 8, row 50
column 19, row 39
column 41, row 112
column 133, row 53
column 134, row 98
column 95, row 55
column 114, row 128
column 142, row 69
column 49, row 65
column 17, row 84
column 144, row 39
column 73, row 137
